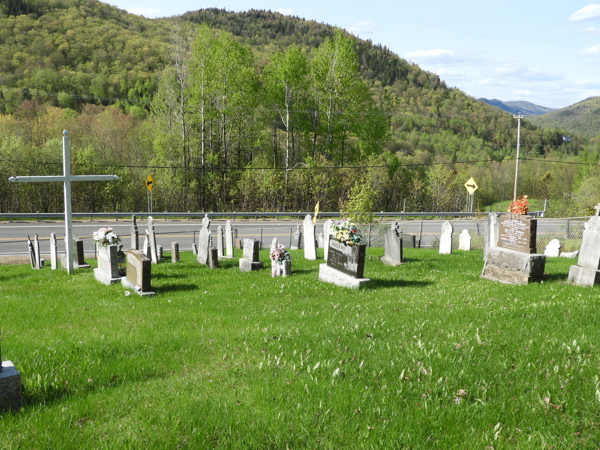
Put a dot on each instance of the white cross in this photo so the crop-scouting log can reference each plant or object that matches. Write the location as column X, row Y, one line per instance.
column 67, row 178
column 597, row 208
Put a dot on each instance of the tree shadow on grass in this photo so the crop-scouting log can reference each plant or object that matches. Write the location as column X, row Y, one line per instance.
column 376, row 284
column 16, row 277
column 558, row 277
column 299, row 271
column 175, row 288
column 165, row 275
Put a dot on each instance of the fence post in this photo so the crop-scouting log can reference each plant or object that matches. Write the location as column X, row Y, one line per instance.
column 290, row 238
column 194, row 237
column 260, row 245
column 477, row 225
column 117, row 218
column 568, row 229
column 369, row 240
column 9, row 218
column 420, row 232
column 189, row 217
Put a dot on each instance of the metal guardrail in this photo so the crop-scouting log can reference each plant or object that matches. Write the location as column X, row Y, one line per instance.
column 234, row 214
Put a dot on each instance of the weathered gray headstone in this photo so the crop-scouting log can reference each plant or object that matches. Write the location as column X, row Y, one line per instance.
column 107, row 271
column 203, row 241
column 10, row 387
column 553, row 248
column 194, row 249
column 464, row 240
column 491, row 231
column 512, row 261
column 220, row 241
column 228, row 240
column 78, row 256
column 250, row 259
column 174, row 252
column 238, row 244
column 139, row 273
column 53, row 251
column 297, row 239
column 326, row 233
column 393, row 248
column 38, row 257
column 446, row 238
column 587, row 270
column 213, row 258
column 161, row 252
column 310, row 251
column 152, row 241
column 135, row 238
column 31, row 251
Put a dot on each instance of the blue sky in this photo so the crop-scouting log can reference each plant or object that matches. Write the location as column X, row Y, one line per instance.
column 545, row 52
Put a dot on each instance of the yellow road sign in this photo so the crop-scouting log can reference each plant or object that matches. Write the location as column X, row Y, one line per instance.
column 471, row 186
column 149, row 182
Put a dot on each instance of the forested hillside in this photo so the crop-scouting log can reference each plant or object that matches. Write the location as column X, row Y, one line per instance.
column 582, row 118
column 252, row 111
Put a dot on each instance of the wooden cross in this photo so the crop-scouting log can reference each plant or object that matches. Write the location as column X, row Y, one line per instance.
column 597, row 208
column 67, row 178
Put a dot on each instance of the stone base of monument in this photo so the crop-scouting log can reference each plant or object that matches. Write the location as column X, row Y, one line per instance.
column 334, row 276
column 103, row 278
column 389, row 261
column 512, row 267
column 134, row 287
column 283, row 269
column 583, row 276
column 249, row 266
column 63, row 263
column 10, row 387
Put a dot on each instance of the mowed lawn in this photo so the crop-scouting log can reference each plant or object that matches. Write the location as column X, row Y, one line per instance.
column 428, row 356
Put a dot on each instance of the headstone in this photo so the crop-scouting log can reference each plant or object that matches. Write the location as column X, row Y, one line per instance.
column 139, row 273
column 31, row 251
column 297, row 239
column 135, row 241
column 53, row 251
column 464, row 240
column 553, row 248
column 446, row 238
column 513, row 260
column 203, row 241
column 326, row 233
column 344, row 266
column 213, row 258
column 569, row 254
column 174, row 252
column 194, row 249
column 408, row 240
column 491, row 230
column 160, row 251
column 152, row 241
column 146, row 247
column 78, row 256
column 280, row 268
column 220, row 241
column 10, row 387
column 38, row 257
column 320, row 241
column 393, row 251
column 518, row 232
column 228, row 240
column 238, row 244
column 250, row 259
column 587, row 270
column 107, row 271
column 310, row 251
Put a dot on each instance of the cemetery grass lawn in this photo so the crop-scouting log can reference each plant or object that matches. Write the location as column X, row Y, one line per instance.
column 428, row 356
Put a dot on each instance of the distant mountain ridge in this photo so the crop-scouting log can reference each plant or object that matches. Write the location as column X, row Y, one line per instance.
column 580, row 118
column 518, row 107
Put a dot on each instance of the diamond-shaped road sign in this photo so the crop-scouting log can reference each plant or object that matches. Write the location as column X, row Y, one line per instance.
column 471, row 186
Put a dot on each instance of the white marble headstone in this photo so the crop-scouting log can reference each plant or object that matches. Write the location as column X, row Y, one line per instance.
column 464, row 240
column 228, row 240
column 203, row 241
column 553, row 248
column 53, row 252
column 310, row 251
column 446, row 238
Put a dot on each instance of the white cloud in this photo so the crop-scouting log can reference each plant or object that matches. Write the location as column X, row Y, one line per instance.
column 146, row 12
column 285, row 12
column 592, row 30
column 586, row 13
column 437, row 56
column 591, row 51
column 364, row 27
column 453, row 75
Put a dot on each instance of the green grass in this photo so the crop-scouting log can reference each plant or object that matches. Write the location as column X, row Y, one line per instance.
column 428, row 356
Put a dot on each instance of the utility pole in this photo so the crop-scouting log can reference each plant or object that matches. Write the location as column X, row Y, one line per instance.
column 518, row 117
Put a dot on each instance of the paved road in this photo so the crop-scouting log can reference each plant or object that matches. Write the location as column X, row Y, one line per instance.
column 13, row 235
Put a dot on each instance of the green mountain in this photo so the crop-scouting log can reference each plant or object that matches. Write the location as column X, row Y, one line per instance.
column 518, row 107
column 582, row 118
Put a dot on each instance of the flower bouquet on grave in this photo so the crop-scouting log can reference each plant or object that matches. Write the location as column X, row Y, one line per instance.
column 279, row 254
column 519, row 206
column 346, row 232
column 105, row 237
